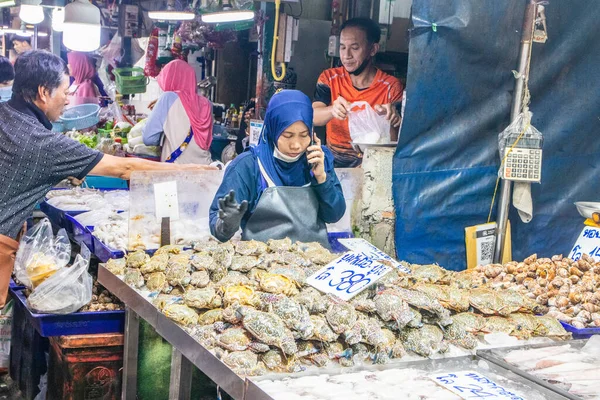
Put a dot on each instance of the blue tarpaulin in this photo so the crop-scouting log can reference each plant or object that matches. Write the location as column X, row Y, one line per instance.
column 459, row 94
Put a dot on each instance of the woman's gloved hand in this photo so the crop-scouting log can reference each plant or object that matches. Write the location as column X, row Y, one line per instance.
column 230, row 216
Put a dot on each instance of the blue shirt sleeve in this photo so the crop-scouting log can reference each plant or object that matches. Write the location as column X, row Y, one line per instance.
column 242, row 177
column 332, row 204
column 153, row 130
column 99, row 84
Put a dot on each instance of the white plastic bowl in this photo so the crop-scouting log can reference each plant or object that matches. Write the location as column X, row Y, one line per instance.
column 587, row 208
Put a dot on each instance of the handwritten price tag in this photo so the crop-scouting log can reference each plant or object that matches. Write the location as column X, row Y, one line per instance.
column 348, row 275
column 363, row 246
column 472, row 385
column 588, row 243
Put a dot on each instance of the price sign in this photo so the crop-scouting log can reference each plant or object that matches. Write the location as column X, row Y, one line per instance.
column 348, row 275
column 165, row 200
column 472, row 385
column 588, row 243
column 363, row 246
column 255, row 130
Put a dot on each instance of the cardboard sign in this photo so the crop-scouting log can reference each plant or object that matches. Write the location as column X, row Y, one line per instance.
column 165, row 200
column 473, row 385
column 255, row 131
column 348, row 275
column 588, row 243
column 362, row 245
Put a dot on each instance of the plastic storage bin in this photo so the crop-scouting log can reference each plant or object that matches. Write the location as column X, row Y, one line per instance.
column 130, row 80
column 105, row 183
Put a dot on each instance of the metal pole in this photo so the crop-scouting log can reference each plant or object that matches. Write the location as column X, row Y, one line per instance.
column 180, row 386
column 506, row 186
column 130, row 355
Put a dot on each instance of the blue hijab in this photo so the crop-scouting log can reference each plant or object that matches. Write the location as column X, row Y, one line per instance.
column 284, row 109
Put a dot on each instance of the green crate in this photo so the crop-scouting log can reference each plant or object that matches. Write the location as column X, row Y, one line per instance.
column 130, row 80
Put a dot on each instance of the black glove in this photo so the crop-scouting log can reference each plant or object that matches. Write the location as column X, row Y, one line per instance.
column 230, row 216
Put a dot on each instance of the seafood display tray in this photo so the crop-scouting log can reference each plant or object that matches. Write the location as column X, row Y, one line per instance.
column 495, row 356
column 472, row 363
column 193, row 351
column 80, row 234
column 58, row 217
column 81, row 323
column 102, row 251
column 584, row 333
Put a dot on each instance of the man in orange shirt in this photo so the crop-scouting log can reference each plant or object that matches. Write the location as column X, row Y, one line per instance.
column 357, row 80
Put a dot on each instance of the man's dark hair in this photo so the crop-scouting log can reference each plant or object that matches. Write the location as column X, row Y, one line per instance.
column 37, row 68
column 21, row 39
column 7, row 72
column 367, row 25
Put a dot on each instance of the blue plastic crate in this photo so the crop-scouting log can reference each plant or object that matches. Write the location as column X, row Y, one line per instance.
column 12, row 285
column 59, row 217
column 103, row 252
column 105, row 183
column 80, row 234
column 82, row 323
column 585, row 333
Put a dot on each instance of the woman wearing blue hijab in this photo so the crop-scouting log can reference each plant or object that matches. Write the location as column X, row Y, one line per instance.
column 285, row 186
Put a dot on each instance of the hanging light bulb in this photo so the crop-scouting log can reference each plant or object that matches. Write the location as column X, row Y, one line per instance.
column 31, row 13
column 228, row 14
column 58, row 19
column 82, row 26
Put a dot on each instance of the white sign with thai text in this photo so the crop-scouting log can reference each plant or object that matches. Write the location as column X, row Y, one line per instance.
column 473, row 385
column 588, row 243
column 367, row 248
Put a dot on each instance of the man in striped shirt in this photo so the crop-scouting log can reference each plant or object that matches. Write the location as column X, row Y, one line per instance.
column 357, row 80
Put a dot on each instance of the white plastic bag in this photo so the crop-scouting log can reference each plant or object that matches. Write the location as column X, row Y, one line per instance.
column 366, row 126
column 6, row 316
column 41, row 254
column 66, row 291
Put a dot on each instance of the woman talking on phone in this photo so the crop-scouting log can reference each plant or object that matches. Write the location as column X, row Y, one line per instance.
column 285, row 186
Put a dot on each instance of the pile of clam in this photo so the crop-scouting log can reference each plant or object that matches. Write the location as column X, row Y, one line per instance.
column 569, row 289
column 250, row 305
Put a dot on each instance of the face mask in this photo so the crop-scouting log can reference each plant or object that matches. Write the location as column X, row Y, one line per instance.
column 5, row 93
column 361, row 67
column 280, row 156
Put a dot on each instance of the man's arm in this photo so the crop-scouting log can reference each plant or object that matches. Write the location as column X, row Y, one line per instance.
column 322, row 113
column 122, row 167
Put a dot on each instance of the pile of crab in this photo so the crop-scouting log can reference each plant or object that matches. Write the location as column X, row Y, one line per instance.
column 249, row 303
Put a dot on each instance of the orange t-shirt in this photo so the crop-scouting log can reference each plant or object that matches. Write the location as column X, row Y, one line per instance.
column 384, row 89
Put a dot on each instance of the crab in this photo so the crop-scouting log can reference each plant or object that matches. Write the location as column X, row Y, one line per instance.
column 322, row 330
column 450, row 297
column 430, row 273
column 363, row 302
column 223, row 256
column 294, row 315
column 116, row 266
column 200, row 279
column 211, row 316
column 297, row 274
column 276, row 361
column 488, row 302
column 250, row 248
column 157, row 263
column 425, row 341
column 277, row 284
column 313, row 300
column 291, row 258
column 341, row 317
column 181, row 259
column 366, row 331
column 169, row 249
column 244, row 363
column 459, row 332
column 468, row 280
column 178, row 275
column 234, row 339
column 528, row 325
column 280, row 245
column 157, row 281
column 163, row 300
column 392, row 344
column 390, row 307
column 206, row 298
column 134, row 278
column 269, row 329
column 203, row 261
column 137, row 259
column 555, row 329
column 205, row 335
column 218, row 274
column 181, row 314
column 240, row 295
column 233, row 278
column 500, row 324
column 244, row 263
column 207, row 245
column 424, row 302
column 320, row 256
column 516, row 302
column 470, row 322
